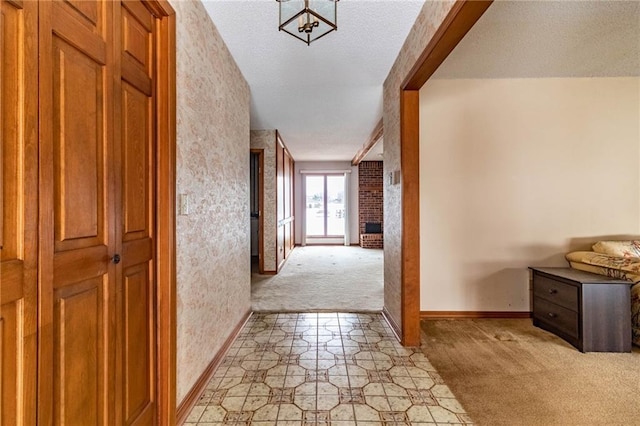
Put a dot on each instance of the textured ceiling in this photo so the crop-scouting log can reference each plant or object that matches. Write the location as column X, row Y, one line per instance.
column 521, row 39
column 325, row 99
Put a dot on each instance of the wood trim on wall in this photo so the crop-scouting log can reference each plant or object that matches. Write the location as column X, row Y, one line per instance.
column 473, row 314
column 460, row 19
column 377, row 133
column 462, row 16
column 280, row 168
column 199, row 386
column 166, row 211
column 410, row 243
column 293, row 200
column 280, row 157
column 394, row 325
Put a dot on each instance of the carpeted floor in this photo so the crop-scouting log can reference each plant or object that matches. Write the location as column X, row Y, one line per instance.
column 323, row 278
column 507, row 372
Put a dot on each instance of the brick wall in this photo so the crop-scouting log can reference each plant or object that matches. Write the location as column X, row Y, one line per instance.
column 370, row 199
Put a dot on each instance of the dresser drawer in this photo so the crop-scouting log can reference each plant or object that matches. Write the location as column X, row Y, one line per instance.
column 560, row 318
column 556, row 292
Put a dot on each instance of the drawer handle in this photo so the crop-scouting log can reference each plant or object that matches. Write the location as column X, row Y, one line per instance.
column 552, row 315
column 552, row 291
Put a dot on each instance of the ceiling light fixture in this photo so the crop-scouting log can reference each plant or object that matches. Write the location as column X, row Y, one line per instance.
column 308, row 20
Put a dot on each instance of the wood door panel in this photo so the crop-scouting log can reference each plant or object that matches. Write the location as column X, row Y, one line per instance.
column 286, row 194
column 97, row 199
column 136, row 40
column 137, row 252
column 11, row 337
column 18, row 211
column 90, row 41
column 77, row 205
column 87, row 9
column 139, row 364
column 280, row 195
column 79, row 144
column 137, row 9
column 12, row 281
column 10, row 168
column 81, row 361
column 88, row 13
column 135, row 75
column 137, row 46
column 137, row 333
column 287, row 239
column 74, row 266
column 136, row 112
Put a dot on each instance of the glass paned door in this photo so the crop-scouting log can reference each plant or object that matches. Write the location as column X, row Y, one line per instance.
column 325, row 206
column 335, row 206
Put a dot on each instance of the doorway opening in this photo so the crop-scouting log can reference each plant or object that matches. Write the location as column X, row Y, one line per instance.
column 323, row 274
column 462, row 16
column 256, row 168
column 325, row 208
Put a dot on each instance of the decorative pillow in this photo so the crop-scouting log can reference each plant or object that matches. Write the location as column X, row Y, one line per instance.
column 629, row 248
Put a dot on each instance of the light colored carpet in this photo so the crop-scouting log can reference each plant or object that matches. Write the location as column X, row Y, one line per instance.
column 323, row 278
column 508, row 372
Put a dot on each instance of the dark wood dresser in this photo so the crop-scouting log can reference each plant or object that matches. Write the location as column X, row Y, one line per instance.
column 590, row 311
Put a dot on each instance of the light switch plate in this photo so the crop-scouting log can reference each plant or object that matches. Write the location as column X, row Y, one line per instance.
column 394, row 177
column 183, row 204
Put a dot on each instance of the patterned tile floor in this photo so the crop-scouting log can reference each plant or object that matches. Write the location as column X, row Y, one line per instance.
column 324, row 369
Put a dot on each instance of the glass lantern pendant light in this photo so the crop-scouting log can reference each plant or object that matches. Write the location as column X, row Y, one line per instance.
column 308, row 20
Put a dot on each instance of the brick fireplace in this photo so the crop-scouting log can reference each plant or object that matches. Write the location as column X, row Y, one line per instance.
column 370, row 202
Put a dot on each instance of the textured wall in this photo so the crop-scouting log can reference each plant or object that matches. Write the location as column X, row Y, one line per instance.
column 213, row 241
column 427, row 22
column 266, row 139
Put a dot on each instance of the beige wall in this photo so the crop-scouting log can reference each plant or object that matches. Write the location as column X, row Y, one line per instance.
column 213, row 247
column 427, row 22
column 266, row 140
column 353, row 194
column 516, row 172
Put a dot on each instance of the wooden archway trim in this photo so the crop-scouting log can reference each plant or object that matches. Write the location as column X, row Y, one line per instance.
column 462, row 16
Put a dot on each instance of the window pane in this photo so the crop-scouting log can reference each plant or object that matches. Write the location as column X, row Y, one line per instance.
column 315, row 205
column 335, row 206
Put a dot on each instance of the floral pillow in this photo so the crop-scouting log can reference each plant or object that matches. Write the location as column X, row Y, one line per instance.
column 629, row 248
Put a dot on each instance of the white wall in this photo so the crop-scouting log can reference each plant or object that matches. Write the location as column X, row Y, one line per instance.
column 517, row 172
column 353, row 194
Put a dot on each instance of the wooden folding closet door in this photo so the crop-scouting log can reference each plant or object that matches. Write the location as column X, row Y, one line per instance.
column 18, row 211
column 136, row 121
column 79, row 84
column 77, row 214
column 97, row 197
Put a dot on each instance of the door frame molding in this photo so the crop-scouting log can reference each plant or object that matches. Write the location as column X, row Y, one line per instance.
column 165, row 244
column 324, row 174
column 462, row 16
column 260, row 154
